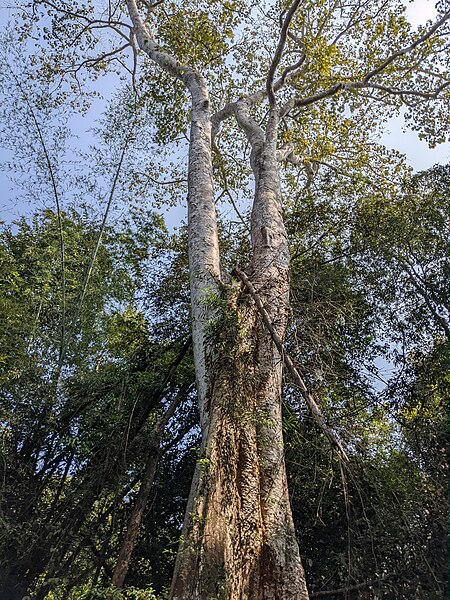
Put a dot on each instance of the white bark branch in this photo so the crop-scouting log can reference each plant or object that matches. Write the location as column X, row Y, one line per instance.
column 148, row 45
column 204, row 257
column 279, row 51
column 249, row 126
column 287, row 153
column 251, row 100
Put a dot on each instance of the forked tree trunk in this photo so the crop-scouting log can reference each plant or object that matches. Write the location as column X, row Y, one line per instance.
column 239, row 539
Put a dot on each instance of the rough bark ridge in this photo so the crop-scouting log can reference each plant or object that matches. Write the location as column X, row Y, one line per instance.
column 239, row 537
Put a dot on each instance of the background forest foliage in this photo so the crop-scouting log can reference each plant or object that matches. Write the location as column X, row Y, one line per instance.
column 96, row 370
column 74, row 440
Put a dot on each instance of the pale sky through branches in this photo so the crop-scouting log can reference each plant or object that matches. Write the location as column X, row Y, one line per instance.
column 419, row 155
column 420, row 11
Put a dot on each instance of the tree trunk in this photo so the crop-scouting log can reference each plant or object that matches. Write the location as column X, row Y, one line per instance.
column 134, row 524
column 239, row 539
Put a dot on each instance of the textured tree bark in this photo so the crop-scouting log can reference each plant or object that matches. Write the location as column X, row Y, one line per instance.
column 239, row 539
column 204, row 256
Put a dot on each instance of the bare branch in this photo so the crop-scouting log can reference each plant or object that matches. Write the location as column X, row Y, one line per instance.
column 100, row 25
column 92, row 62
column 279, row 51
column 291, row 70
column 252, row 100
column 407, row 49
column 353, row 21
column 430, row 95
column 299, row 102
column 358, row 85
column 159, row 181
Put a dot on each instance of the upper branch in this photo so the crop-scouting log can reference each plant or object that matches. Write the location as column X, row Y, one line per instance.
column 381, row 67
column 358, row 85
column 230, row 109
column 366, row 81
column 192, row 78
column 147, row 43
column 249, row 126
column 279, row 51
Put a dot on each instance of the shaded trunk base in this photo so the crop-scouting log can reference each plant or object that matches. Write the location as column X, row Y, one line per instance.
column 239, row 540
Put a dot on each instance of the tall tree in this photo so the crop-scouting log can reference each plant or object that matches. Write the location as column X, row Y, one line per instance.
column 309, row 83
